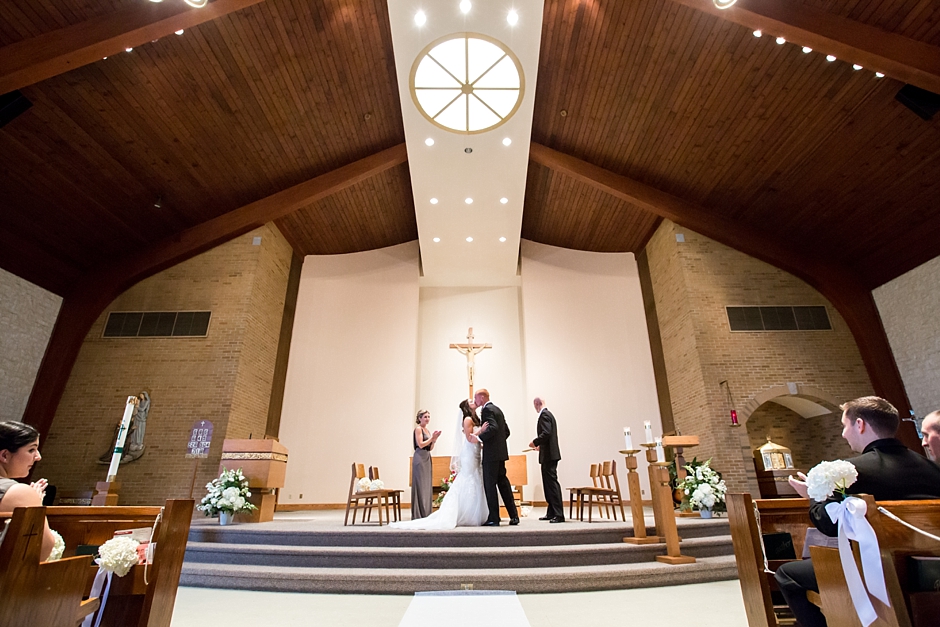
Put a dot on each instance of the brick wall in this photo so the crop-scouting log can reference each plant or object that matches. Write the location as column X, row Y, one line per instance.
column 224, row 377
column 27, row 315
column 693, row 282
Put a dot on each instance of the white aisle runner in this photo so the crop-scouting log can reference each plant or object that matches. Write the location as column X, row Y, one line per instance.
column 460, row 608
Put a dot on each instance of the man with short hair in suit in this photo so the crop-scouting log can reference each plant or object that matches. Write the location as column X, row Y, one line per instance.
column 495, row 454
column 887, row 470
column 546, row 443
column 931, row 430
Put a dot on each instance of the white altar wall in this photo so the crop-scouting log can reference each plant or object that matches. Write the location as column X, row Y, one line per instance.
column 588, row 354
column 351, row 375
column 494, row 314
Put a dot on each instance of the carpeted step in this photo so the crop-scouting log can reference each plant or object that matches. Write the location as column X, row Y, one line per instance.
column 288, row 534
column 408, row 581
column 456, row 558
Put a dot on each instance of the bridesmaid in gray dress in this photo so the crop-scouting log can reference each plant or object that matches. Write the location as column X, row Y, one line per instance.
column 421, row 476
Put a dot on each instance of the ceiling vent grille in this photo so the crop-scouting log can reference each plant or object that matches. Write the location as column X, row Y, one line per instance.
column 778, row 319
column 157, row 324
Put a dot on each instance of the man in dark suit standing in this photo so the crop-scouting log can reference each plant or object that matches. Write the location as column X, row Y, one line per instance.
column 546, row 443
column 495, row 454
column 887, row 470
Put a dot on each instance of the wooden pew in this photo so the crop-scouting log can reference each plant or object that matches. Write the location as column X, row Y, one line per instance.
column 39, row 594
column 792, row 516
column 896, row 543
column 132, row 601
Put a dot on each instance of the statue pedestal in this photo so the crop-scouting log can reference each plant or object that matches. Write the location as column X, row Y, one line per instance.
column 106, row 493
column 264, row 464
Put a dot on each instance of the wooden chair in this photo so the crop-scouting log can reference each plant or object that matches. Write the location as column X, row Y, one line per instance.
column 897, row 543
column 46, row 594
column 365, row 500
column 606, row 490
column 394, row 495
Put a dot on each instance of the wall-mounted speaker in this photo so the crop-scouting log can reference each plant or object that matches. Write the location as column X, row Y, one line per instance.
column 12, row 105
column 922, row 102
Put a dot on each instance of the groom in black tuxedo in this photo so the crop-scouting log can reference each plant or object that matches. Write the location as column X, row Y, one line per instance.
column 495, row 454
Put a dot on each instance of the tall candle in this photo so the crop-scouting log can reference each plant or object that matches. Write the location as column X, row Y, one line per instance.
column 660, row 453
column 648, row 428
column 122, row 436
column 627, row 439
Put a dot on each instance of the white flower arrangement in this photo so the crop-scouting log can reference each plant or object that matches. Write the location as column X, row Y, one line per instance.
column 58, row 548
column 703, row 487
column 118, row 555
column 367, row 485
column 228, row 493
column 826, row 478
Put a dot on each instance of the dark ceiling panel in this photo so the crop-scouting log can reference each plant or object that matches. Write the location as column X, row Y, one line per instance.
column 376, row 213
column 562, row 211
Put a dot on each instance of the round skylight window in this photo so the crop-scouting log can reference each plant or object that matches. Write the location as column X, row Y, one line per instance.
column 467, row 83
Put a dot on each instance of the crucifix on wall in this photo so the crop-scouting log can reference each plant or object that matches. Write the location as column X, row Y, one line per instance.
column 471, row 350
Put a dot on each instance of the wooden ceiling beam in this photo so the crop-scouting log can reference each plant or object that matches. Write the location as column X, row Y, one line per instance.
column 92, row 294
column 896, row 56
column 33, row 60
column 838, row 284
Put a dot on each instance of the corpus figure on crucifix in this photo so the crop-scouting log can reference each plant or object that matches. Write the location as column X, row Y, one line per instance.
column 471, row 350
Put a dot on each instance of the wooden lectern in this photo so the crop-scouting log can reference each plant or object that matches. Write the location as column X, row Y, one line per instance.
column 264, row 464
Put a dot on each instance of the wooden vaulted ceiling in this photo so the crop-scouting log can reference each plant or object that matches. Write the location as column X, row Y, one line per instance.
column 814, row 154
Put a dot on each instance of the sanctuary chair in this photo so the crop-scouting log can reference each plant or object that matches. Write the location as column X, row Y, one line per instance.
column 606, row 490
column 395, row 495
column 47, row 594
column 365, row 500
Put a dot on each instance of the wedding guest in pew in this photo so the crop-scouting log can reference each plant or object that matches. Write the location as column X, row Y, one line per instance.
column 19, row 451
column 887, row 470
column 422, row 488
column 931, row 430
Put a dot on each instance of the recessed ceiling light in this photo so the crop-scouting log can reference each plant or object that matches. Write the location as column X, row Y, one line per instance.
column 781, row 40
column 723, row 4
column 830, row 58
column 512, row 17
column 469, row 239
column 437, row 239
column 877, row 74
column 506, row 141
column 757, row 33
column 502, row 239
column 127, row 49
column 429, row 141
column 856, row 67
column 469, row 201
column 464, row 6
column 504, row 200
column 434, row 201
column 807, row 49
column 179, row 32
column 420, row 18
column 104, row 57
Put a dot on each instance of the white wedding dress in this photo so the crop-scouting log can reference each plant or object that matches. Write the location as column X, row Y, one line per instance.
column 464, row 505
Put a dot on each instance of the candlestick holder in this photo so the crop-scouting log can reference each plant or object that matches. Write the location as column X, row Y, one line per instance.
column 636, row 502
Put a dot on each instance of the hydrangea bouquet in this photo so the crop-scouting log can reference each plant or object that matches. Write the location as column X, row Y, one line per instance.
column 828, row 478
column 703, row 487
column 228, row 493
column 367, row 485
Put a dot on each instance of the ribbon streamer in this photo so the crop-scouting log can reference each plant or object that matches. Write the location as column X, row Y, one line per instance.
column 102, row 577
column 849, row 515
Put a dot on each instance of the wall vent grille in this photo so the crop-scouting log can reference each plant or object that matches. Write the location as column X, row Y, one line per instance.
column 157, row 324
column 779, row 319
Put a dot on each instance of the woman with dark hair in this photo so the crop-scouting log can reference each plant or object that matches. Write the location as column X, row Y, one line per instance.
column 422, row 493
column 464, row 505
column 19, row 450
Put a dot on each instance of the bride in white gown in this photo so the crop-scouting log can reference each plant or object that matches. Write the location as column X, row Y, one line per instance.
column 464, row 505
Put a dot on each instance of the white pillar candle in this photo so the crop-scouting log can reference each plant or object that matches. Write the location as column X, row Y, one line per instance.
column 627, row 439
column 122, row 436
column 648, row 429
column 660, row 453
